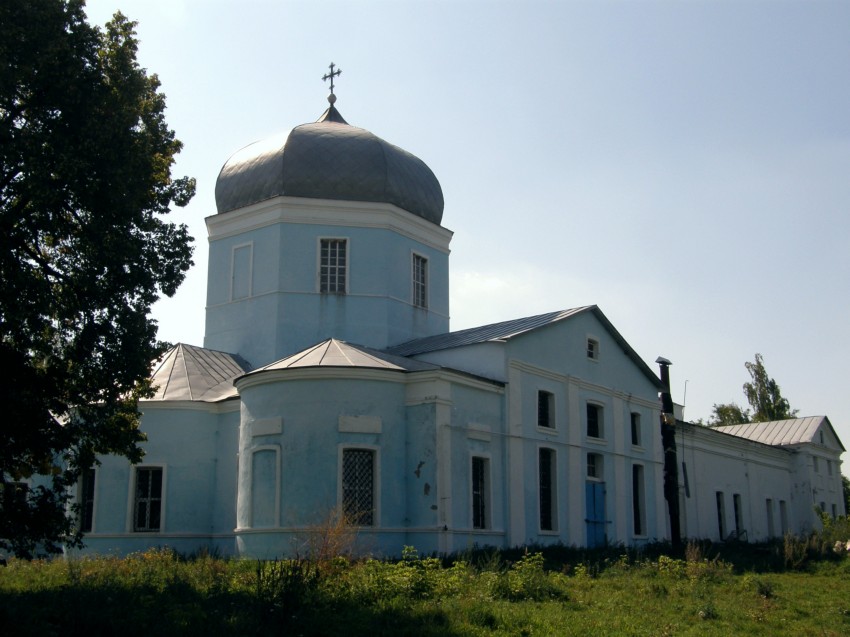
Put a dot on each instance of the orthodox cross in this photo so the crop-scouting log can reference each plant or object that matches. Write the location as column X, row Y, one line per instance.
column 330, row 76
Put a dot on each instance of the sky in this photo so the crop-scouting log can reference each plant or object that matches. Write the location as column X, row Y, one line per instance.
column 683, row 165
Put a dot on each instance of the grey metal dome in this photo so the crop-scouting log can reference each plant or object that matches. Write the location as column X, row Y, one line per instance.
column 329, row 159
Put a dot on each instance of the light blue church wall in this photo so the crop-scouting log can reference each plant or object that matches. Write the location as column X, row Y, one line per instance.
column 194, row 444
column 307, row 422
column 280, row 310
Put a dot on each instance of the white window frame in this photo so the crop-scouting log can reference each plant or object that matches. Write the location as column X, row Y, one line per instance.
column 487, row 494
column 592, row 348
column 250, row 246
column 376, row 481
column 131, row 499
column 598, row 465
column 277, row 483
column 346, row 278
column 420, row 290
column 553, row 490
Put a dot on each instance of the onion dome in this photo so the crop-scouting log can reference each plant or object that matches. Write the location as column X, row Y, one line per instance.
column 329, row 159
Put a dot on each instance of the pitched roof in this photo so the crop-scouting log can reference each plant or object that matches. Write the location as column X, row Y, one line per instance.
column 506, row 330
column 781, row 432
column 187, row 372
column 336, row 353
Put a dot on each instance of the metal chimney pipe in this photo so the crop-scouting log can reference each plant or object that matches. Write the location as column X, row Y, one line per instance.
column 668, row 443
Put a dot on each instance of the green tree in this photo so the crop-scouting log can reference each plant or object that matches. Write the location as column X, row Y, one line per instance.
column 764, row 395
column 728, row 414
column 85, row 183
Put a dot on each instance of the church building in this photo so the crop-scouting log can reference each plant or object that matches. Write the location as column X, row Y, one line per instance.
column 329, row 384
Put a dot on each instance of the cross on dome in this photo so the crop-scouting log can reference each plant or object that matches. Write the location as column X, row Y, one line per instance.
column 330, row 76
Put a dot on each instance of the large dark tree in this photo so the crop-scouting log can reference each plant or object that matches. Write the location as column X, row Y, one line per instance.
column 85, row 184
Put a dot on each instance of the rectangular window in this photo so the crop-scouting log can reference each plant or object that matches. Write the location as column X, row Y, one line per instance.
column 815, row 465
column 635, row 429
column 721, row 514
column 333, row 266
column 829, row 467
column 546, row 480
column 638, row 500
column 148, row 504
column 834, row 511
column 594, row 466
column 420, row 281
column 593, row 349
column 783, row 516
column 595, row 428
column 86, row 500
column 771, row 530
column 739, row 514
column 480, row 497
column 545, row 409
column 358, row 486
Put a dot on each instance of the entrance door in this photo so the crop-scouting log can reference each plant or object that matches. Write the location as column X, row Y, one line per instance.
column 595, row 502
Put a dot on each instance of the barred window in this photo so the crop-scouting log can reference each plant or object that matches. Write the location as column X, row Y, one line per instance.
column 358, row 486
column 333, row 266
column 420, row 281
column 148, row 503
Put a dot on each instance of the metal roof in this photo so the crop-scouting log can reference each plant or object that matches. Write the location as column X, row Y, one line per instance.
column 506, row 330
column 329, row 159
column 187, row 372
column 782, row 432
column 336, row 353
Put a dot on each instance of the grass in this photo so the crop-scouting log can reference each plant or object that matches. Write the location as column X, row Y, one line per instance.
column 799, row 586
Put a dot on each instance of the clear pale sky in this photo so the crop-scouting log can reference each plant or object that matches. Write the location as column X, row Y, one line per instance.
column 682, row 164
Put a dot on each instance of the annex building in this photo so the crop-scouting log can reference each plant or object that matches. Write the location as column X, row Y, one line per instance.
column 329, row 382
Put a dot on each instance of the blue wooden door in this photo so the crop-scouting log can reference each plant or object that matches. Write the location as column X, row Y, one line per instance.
column 595, row 502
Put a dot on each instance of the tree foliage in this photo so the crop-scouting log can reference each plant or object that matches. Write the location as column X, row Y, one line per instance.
column 85, row 182
column 764, row 395
column 728, row 414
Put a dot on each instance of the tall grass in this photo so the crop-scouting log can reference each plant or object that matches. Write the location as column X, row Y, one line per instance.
column 703, row 588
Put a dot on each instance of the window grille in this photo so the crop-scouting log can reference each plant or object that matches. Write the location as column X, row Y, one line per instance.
column 148, row 509
column 358, row 486
column 420, row 281
column 333, row 265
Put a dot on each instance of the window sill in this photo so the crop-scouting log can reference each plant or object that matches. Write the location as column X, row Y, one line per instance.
column 549, row 431
column 601, row 442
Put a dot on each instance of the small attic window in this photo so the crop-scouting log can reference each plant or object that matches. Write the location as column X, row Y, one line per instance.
column 592, row 349
column 821, row 437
